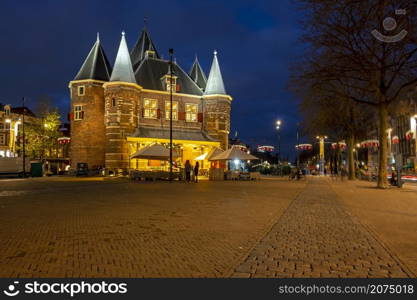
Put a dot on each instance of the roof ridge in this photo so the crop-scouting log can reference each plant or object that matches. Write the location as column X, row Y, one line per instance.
column 187, row 75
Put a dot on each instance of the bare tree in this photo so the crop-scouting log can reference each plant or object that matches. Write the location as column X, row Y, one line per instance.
column 349, row 47
column 336, row 116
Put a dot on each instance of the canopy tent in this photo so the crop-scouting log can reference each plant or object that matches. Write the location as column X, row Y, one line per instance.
column 232, row 154
column 208, row 155
column 154, row 152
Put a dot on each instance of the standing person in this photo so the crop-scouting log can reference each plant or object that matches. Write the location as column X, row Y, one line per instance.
column 196, row 167
column 188, row 171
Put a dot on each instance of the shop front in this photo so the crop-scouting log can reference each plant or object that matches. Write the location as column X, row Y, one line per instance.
column 193, row 146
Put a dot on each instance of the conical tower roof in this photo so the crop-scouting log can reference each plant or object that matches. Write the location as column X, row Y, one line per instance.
column 123, row 70
column 96, row 66
column 215, row 83
column 143, row 44
column 197, row 74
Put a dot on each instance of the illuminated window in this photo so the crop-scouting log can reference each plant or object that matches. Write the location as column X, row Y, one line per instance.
column 150, row 108
column 113, row 102
column 150, row 54
column 81, row 90
column 168, row 84
column 174, row 110
column 2, row 139
column 78, row 112
column 191, row 112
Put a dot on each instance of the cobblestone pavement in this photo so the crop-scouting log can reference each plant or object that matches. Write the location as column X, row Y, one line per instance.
column 316, row 237
column 69, row 227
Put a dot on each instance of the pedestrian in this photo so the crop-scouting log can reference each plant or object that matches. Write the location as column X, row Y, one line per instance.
column 196, row 167
column 394, row 178
column 188, row 168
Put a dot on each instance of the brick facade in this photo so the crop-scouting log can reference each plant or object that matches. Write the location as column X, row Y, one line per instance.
column 113, row 110
column 88, row 134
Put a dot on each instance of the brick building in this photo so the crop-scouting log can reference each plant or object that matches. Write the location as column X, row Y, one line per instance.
column 117, row 111
column 10, row 128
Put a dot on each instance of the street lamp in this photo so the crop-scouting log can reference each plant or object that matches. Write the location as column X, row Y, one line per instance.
column 321, row 155
column 279, row 122
column 171, row 54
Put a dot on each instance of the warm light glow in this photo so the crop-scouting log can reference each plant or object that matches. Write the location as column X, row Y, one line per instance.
column 279, row 122
column 8, row 121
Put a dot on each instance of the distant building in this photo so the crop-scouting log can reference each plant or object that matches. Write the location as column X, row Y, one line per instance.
column 401, row 138
column 402, row 135
column 10, row 128
column 117, row 110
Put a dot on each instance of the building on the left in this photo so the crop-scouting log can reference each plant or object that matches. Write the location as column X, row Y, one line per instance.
column 11, row 129
column 55, row 157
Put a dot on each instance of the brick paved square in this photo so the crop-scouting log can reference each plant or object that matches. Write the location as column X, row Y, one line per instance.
column 95, row 227
column 69, row 227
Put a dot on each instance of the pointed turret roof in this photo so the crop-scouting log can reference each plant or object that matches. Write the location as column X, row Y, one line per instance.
column 215, row 83
column 96, row 66
column 123, row 70
column 197, row 74
column 143, row 44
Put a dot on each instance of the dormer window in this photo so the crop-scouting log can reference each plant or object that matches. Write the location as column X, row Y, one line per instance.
column 149, row 54
column 7, row 110
column 171, row 82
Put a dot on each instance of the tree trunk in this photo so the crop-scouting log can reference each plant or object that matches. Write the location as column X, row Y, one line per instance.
column 351, row 157
column 382, row 170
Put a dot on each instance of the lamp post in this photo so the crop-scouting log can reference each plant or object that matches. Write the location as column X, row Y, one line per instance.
column 171, row 54
column 279, row 123
column 298, row 145
column 24, row 138
column 321, row 155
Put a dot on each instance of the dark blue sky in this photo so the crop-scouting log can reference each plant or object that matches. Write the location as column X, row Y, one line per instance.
column 43, row 44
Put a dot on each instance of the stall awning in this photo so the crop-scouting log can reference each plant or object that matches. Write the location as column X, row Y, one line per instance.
column 154, row 152
column 234, row 153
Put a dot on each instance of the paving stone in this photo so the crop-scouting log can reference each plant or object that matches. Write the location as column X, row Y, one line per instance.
column 332, row 243
column 90, row 227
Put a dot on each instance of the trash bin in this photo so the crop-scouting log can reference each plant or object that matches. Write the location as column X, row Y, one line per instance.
column 36, row 169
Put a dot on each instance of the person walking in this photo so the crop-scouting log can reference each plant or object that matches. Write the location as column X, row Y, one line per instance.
column 196, row 167
column 188, row 171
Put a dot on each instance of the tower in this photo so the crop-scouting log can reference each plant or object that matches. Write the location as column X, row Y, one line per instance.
column 87, row 109
column 143, row 46
column 121, row 96
column 217, row 106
